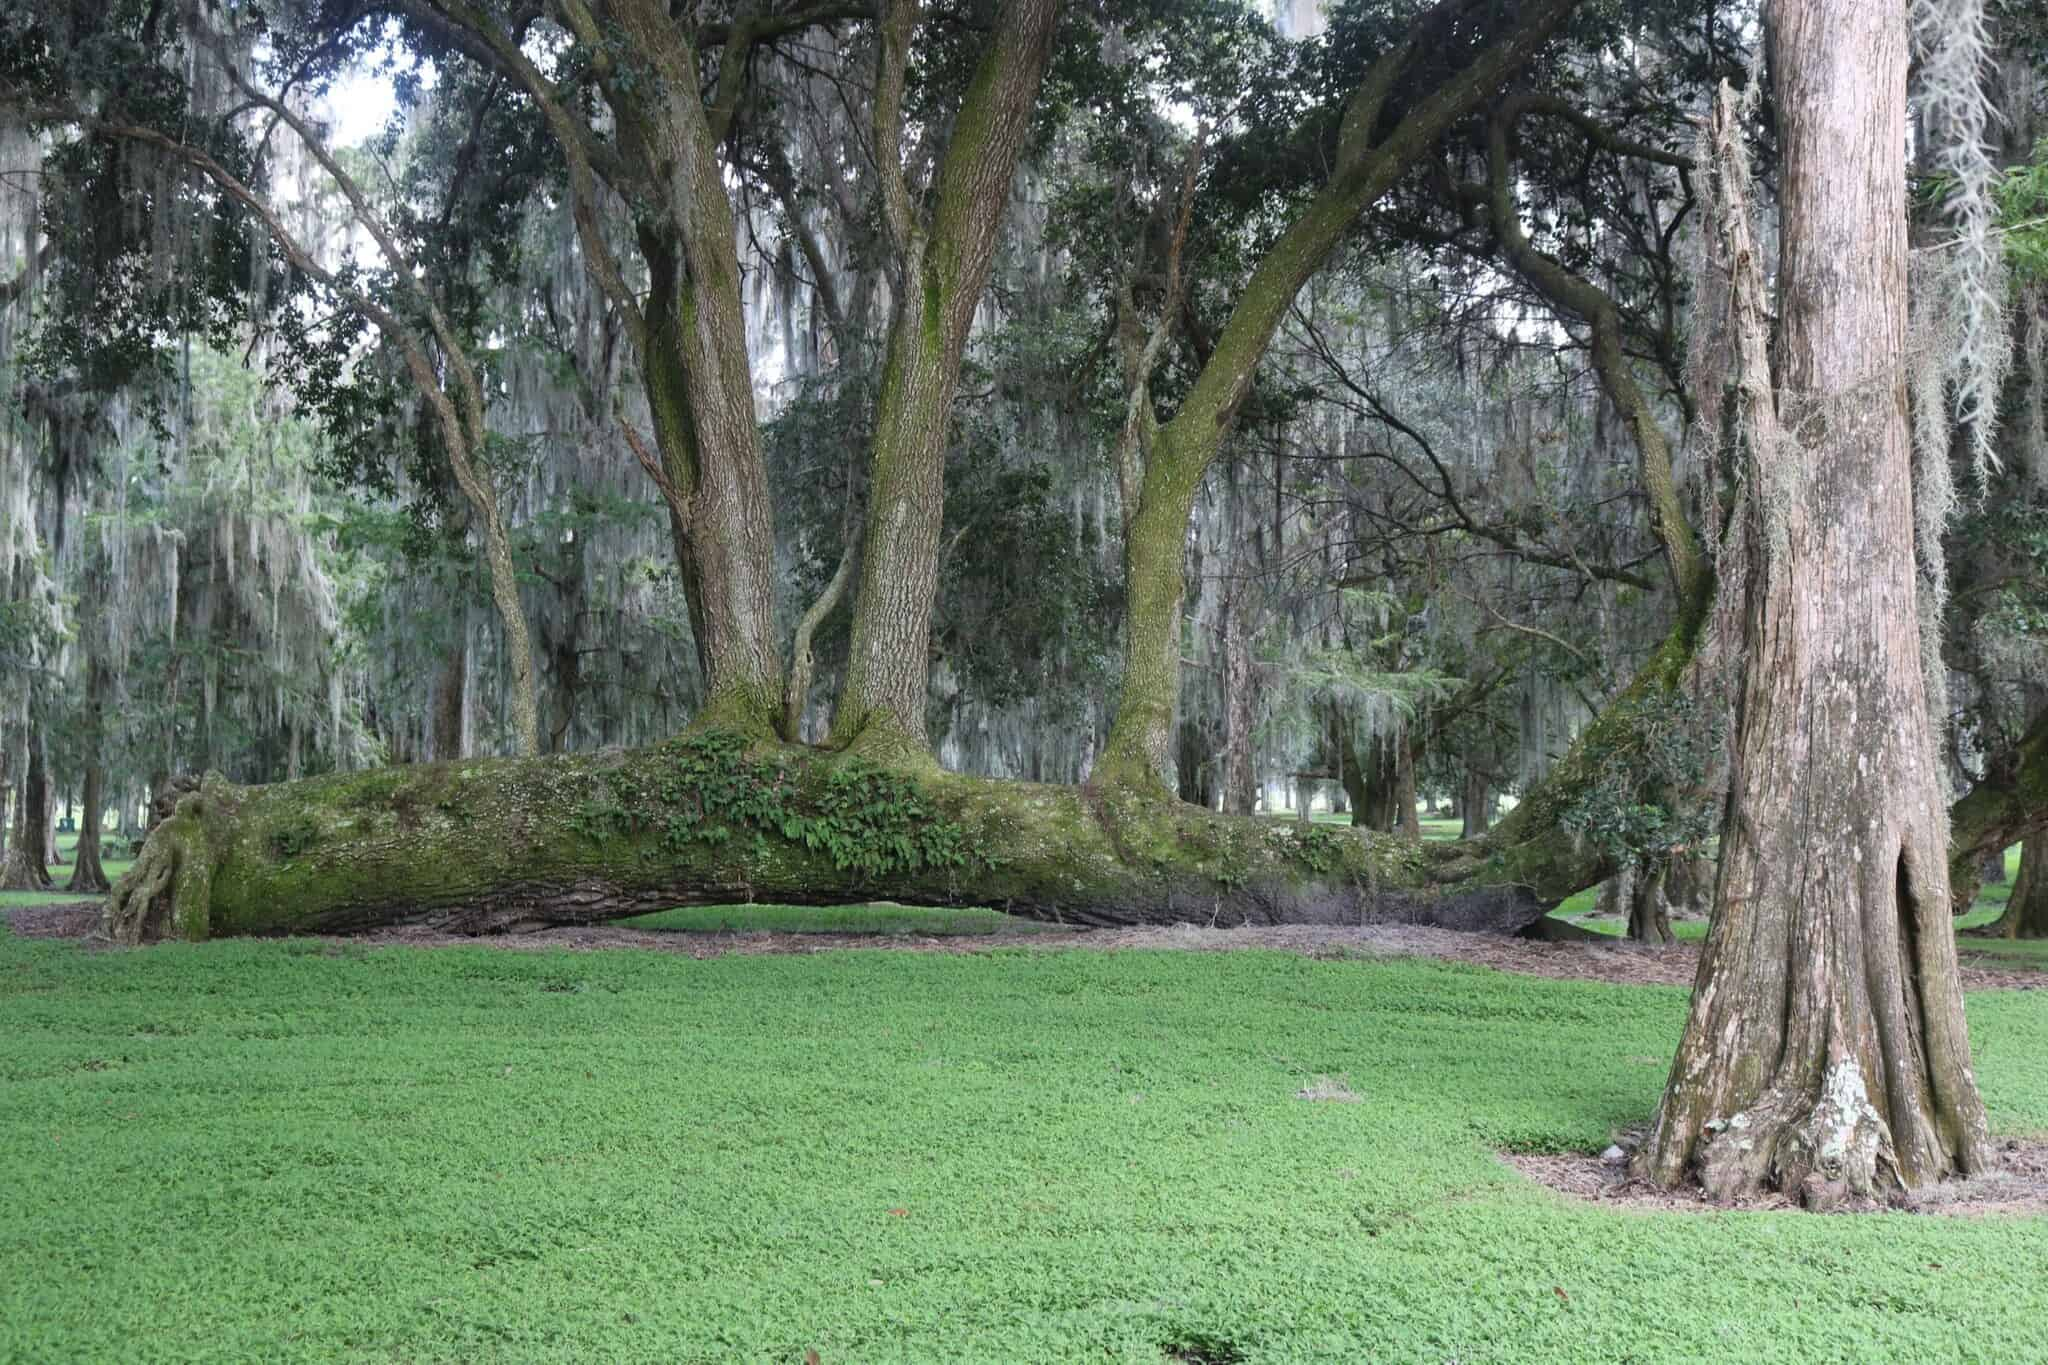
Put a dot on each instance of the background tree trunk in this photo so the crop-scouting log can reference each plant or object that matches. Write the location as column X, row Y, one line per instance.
column 51, row 807
column 1992, row 869
column 1371, row 777
column 1649, row 915
column 2026, row 912
column 2009, row 806
column 27, row 866
column 1240, row 781
column 1825, row 1051
column 451, row 686
column 1407, row 820
column 1476, row 807
column 86, row 873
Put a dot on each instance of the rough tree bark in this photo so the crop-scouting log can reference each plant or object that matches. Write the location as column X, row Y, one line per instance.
column 1825, row 1052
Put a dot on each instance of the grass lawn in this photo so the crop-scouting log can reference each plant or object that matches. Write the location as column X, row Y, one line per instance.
column 292, row 1151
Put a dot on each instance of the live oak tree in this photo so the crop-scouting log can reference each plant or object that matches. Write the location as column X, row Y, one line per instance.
column 489, row 844
column 1468, row 49
column 1825, row 1052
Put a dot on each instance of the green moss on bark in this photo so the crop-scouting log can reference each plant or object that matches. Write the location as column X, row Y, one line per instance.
column 711, row 818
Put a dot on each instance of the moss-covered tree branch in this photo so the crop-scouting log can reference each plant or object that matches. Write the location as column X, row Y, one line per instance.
column 1181, row 449
column 711, row 818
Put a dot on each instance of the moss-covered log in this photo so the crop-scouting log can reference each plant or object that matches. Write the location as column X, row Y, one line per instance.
column 499, row 844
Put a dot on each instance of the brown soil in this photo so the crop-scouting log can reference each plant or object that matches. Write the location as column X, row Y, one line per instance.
column 1612, row 960
column 73, row 919
column 2017, row 1184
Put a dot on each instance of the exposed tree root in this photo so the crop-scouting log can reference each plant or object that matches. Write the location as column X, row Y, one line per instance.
column 167, row 892
column 1827, row 1151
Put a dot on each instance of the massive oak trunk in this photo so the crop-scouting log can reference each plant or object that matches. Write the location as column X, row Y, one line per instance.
column 1825, row 1052
column 491, row 844
column 494, row 844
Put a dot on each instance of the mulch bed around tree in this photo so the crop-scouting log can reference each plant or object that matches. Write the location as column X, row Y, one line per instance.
column 73, row 919
column 2017, row 1184
column 1616, row 961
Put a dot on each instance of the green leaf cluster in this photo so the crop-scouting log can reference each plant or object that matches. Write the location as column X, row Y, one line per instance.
column 866, row 820
column 1641, row 795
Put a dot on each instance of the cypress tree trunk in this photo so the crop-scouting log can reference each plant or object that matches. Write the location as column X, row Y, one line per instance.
column 1991, row 871
column 1825, row 1052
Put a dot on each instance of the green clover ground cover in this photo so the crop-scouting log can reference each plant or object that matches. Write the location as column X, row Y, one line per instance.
column 291, row 1151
